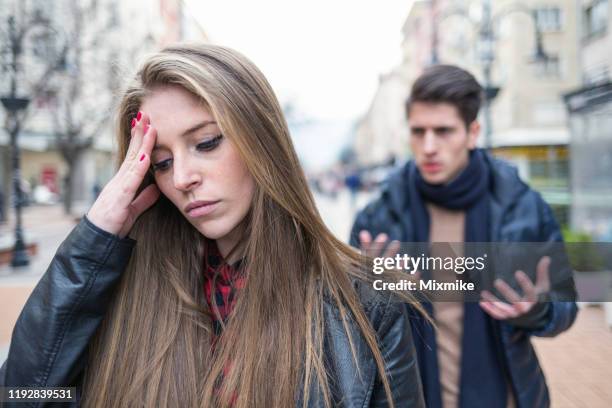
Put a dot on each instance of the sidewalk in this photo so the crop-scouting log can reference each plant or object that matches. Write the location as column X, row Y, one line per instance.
column 48, row 226
column 45, row 225
column 578, row 363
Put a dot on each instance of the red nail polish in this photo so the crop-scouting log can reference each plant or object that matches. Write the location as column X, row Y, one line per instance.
column 142, row 157
column 139, row 115
column 133, row 122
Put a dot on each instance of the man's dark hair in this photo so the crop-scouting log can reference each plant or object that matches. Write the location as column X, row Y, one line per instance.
column 448, row 84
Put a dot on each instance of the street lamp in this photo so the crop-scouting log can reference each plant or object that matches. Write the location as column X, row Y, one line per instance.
column 14, row 105
column 486, row 50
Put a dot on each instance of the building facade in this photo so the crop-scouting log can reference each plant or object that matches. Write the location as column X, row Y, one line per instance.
column 529, row 121
column 590, row 116
column 382, row 133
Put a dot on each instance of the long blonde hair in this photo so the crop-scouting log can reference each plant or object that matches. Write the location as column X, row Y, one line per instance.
column 153, row 347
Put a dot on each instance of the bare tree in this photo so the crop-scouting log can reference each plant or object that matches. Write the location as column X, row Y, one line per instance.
column 25, row 72
column 83, row 95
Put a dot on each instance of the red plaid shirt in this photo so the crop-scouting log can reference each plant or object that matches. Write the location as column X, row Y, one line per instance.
column 222, row 281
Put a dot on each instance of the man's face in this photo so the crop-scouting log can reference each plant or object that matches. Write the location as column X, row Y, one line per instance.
column 440, row 141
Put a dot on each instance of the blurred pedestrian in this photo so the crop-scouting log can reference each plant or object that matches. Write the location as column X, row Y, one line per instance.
column 353, row 182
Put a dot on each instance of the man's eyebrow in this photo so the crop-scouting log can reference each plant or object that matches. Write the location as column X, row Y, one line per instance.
column 192, row 129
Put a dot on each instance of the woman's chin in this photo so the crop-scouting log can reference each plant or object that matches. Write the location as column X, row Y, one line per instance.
column 213, row 229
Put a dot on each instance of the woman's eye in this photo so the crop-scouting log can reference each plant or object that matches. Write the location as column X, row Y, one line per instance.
column 161, row 166
column 204, row 146
column 210, row 144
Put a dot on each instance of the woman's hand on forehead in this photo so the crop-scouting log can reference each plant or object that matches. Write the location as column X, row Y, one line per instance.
column 117, row 207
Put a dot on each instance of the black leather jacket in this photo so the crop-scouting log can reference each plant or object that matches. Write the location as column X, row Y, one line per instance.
column 49, row 341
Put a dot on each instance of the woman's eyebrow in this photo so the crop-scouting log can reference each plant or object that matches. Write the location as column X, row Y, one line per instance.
column 198, row 126
column 192, row 129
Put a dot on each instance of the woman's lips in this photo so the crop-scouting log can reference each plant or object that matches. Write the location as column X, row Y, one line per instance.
column 203, row 209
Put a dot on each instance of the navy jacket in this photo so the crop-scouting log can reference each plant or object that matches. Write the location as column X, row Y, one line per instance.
column 517, row 214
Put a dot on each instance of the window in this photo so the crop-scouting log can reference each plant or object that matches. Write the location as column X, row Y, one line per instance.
column 550, row 68
column 596, row 18
column 548, row 19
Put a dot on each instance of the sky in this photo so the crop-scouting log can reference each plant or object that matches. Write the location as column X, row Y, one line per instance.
column 324, row 56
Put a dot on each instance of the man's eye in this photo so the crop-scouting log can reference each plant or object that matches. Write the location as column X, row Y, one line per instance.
column 417, row 132
column 210, row 144
column 162, row 165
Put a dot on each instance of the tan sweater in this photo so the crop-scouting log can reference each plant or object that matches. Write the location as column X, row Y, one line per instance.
column 449, row 226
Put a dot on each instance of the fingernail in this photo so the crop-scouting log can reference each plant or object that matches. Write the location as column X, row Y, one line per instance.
column 139, row 115
column 133, row 122
column 146, row 128
column 142, row 157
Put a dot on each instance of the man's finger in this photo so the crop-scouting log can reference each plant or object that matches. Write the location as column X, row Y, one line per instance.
column 379, row 243
column 507, row 291
column 485, row 306
column 523, row 307
column 492, row 310
column 542, row 275
column 486, row 295
column 508, row 310
column 529, row 290
column 392, row 249
column 381, row 238
column 365, row 239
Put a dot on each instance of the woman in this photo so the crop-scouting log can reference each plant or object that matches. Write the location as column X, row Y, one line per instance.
column 236, row 294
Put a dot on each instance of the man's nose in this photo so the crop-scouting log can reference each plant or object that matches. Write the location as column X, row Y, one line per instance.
column 186, row 176
column 430, row 144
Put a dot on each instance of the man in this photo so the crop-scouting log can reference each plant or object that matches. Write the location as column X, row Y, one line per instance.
column 481, row 354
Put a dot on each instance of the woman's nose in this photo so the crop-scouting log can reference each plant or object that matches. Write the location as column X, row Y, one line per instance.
column 186, row 176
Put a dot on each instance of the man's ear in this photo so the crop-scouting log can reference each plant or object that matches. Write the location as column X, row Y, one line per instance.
column 473, row 133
